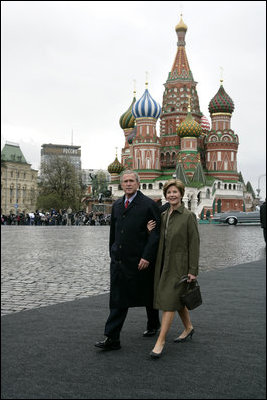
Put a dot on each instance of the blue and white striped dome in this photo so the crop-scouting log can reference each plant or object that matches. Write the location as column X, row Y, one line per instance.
column 146, row 107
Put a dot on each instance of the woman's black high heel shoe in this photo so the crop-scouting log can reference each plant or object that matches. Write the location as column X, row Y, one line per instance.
column 180, row 340
column 155, row 355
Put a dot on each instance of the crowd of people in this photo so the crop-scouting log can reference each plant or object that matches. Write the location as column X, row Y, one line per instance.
column 54, row 217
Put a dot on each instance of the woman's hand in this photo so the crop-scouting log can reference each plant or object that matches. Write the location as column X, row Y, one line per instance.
column 191, row 278
column 151, row 225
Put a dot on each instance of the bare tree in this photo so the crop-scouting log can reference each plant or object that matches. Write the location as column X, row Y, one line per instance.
column 62, row 182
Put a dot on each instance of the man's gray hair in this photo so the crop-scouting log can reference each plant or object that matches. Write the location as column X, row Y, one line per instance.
column 130, row 171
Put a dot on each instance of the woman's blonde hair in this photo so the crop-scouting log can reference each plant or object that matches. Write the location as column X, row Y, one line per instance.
column 174, row 182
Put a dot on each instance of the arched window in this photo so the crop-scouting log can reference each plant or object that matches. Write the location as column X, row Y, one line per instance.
column 173, row 156
column 160, row 185
column 207, row 193
column 144, row 186
column 168, row 157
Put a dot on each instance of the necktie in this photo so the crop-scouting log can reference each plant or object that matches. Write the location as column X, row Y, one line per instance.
column 127, row 203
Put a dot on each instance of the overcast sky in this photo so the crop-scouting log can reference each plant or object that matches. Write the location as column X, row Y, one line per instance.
column 70, row 66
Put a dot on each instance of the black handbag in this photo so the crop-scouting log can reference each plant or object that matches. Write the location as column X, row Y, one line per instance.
column 192, row 297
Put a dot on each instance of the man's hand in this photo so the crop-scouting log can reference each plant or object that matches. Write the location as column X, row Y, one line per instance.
column 143, row 264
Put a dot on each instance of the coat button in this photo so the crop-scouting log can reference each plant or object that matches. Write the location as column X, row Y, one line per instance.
column 122, row 231
column 120, row 246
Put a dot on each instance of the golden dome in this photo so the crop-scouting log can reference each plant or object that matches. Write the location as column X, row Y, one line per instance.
column 181, row 26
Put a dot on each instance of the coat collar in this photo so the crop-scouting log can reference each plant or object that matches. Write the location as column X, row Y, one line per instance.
column 136, row 200
column 180, row 210
column 137, row 197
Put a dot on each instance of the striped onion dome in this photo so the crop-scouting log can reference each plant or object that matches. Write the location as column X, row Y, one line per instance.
column 116, row 167
column 146, row 106
column 189, row 127
column 221, row 102
column 204, row 123
column 127, row 119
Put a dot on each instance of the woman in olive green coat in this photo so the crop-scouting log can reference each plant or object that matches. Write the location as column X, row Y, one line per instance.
column 178, row 255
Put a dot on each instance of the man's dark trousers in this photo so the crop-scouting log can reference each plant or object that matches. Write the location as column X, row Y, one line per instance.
column 117, row 317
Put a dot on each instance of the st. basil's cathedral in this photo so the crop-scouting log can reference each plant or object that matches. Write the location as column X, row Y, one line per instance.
column 204, row 157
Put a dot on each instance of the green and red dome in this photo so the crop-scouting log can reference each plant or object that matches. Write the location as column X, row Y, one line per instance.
column 127, row 120
column 221, row 103
column 116, row 167
column 189, row 127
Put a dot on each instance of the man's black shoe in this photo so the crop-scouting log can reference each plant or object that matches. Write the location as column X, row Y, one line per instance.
column 151, row 332
column 108, row 344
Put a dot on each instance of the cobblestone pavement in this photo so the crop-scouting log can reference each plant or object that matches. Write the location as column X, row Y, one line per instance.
column 42, row 265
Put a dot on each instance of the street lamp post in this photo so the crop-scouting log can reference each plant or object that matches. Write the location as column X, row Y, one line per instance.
column 17, row 194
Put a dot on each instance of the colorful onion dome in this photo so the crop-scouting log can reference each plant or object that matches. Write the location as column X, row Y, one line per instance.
column 221, row 102
column 146, row 106
column 189, row 127
column 116, row 167
column 127, row 119
column 181, row 26
column 204, row 123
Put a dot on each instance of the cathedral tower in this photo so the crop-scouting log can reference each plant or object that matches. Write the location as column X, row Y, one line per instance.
column 189, row 131
column 221, row 142
column 146, row 143
column 179, row 85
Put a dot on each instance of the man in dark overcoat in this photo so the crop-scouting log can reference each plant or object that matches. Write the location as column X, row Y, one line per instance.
column 133, row 253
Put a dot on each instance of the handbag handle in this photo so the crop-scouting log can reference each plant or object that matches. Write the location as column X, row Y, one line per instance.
column 184, row 278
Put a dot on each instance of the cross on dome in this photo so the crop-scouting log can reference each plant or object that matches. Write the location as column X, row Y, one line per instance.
column 221, row 80
column 146, row 80
column 134, row 85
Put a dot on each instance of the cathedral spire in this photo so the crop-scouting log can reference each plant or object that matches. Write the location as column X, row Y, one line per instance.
column 180, row 68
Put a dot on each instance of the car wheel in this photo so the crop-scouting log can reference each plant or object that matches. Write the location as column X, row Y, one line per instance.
column 232, row 221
